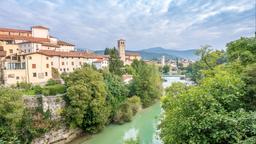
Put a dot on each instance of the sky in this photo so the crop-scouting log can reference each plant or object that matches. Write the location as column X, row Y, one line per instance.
column 172, row 24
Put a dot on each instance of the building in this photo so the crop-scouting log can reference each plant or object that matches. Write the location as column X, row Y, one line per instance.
column 31, row 55
column 126, row 56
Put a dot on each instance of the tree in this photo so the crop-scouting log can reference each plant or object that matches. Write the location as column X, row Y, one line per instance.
column 166, row 69
column 210, row 112
column 208, row 60
column 146, row 83
column 117, row 92
column 86, row 100
column 242, row 50
column 11, row 110
column 115, row 64
column 249, row 77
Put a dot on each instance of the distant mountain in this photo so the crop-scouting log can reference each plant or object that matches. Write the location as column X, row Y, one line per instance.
column 158, row 52
column 168, row 53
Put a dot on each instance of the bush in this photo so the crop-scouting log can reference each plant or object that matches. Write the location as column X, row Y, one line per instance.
column 37, row 89
column 134, row 103
column 123, row 114
column 24, row 85
column 54, row 89
column 126, row 110
column 52, row 82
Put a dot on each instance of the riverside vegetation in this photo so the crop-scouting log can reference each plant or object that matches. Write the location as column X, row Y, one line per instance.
column 94, row 99
column 221, row 106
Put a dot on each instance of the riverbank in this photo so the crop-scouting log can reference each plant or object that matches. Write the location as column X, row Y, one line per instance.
column 144, row 122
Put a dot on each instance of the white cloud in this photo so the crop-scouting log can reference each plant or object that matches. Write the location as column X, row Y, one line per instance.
column 144, row 23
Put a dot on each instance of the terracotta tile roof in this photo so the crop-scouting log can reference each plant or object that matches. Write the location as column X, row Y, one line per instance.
column 41, row 27
column 31, row 39
column 60, row 42
column 14, row 30
column 131, row 53
column 74, row 54
column 50, row 45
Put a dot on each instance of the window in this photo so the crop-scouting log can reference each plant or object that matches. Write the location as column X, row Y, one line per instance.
column 72, row 63
column 17, row 77
column 64, row 69
column 11, row 50
column 33, row 66
column 46, row 74
column 47, row 58
column 60, row 69
column 67, row 69
column 47, row 65
column 29, row 50
column 51, row 63
column 34, row 74
column 62, row 63
column 30, row 57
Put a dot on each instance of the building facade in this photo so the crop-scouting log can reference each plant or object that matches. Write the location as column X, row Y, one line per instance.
column 31, row 55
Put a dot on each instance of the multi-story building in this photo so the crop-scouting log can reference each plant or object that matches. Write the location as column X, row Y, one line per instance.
column 31, row 55
column 126, row 56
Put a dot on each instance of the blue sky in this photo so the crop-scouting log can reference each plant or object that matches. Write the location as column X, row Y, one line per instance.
column 174, row 24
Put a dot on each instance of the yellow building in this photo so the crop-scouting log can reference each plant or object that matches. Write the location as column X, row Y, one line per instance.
column 29, row 56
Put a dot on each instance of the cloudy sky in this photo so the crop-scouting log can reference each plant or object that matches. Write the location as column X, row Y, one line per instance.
column 173, row 24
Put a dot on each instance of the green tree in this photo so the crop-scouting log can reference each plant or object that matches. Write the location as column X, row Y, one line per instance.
column 249, row 77
column 146, row 83
column 242, row 50
column 117, row 92
column 11, row 110
column 166, row 69
column 210, row 112
column 86, row 100
column 115, row 64
column 208, row 60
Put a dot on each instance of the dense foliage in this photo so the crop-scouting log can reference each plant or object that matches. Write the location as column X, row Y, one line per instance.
column 115, row 64
column 11, row 110
column 146, row 83
column 117, row 92
column 221, row 107
column 86, row 100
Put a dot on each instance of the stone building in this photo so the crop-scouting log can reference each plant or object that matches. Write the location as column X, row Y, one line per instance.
column 126, row 56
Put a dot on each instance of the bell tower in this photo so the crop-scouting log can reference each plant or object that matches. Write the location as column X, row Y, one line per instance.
column 121, row 49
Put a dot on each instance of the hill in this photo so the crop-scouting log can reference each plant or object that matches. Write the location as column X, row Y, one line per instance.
column 158, row 52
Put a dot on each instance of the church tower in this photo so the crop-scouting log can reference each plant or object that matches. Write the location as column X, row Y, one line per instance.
column 121, row 49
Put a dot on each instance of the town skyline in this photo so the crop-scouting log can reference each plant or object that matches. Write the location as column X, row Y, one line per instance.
column 169, row 24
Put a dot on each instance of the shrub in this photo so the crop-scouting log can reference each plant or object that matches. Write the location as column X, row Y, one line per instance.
column 52, row 82
column 134, row 103
column 53, row 89
column 123, row 114
column 24, row 85
column 37, row 89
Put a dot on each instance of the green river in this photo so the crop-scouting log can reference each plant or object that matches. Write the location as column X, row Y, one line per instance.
column 143, row 125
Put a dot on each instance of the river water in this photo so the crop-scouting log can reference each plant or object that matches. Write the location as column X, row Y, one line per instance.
column 143, row 125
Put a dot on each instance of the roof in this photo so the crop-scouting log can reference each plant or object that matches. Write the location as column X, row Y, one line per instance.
column 77, row 54
column 14, row 30
column 132, row 53
column 60, row 42
column 31, row 39
column 50, row 45
column 40, row 27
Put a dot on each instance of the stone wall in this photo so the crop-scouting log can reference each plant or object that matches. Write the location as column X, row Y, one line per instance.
column 54, row 104
column 59, row 136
